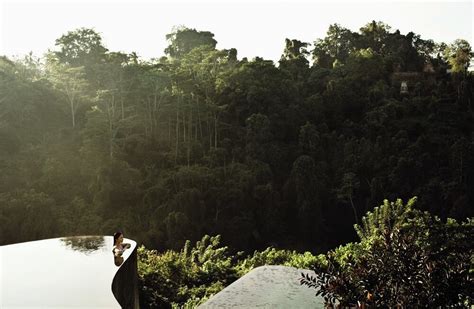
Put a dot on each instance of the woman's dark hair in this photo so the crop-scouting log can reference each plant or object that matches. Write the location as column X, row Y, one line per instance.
column 116, row 236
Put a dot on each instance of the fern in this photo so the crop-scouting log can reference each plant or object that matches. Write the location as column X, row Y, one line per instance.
column 384, row 219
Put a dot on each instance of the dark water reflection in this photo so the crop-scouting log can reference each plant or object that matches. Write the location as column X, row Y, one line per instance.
column 84, row 244
column 60, row 273
column 118, row 260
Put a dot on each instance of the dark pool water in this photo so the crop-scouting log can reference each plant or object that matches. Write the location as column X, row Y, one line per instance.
column 71, row 272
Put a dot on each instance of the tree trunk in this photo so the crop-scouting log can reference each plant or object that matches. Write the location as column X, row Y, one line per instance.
column 110, row 110
column 209, row 132
column 177, row 131
column 121, row 105
column 354, row 209
column 71, row 97
column 155, row 123
column 199, row 119
column 215, row 130
column 184, row 126
column 71, row 103
column 169, row 130
column 190, row 135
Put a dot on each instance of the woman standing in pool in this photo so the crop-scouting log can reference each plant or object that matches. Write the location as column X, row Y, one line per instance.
column 119, row 246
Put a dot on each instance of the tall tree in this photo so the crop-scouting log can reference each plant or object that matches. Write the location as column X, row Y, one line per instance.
column 183, row 40
column 71, row 82
column 459, row 55
column 80, row 47
column 335, row 47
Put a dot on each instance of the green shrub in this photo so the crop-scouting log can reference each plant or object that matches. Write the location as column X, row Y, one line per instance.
column 405, row 257
column 272, row 256
column 189, row 277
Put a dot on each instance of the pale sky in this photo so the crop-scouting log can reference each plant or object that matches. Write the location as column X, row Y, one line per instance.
column 255, row 28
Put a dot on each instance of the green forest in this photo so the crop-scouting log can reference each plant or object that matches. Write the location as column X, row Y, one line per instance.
column 276, row 158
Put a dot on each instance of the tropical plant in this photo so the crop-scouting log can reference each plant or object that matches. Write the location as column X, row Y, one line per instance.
column 405, row 258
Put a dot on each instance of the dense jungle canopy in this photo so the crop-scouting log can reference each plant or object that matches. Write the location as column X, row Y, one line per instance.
column 288, row 154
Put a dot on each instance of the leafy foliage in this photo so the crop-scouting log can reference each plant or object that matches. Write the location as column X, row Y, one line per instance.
column 273, row 256
column 198, row 142
column 187, row 278
column 405, row 257
column 176, row 277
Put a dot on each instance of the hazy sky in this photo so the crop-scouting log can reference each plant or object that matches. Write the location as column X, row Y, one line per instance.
column 255, row 28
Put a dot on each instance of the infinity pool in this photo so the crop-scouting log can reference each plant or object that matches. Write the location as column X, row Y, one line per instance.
column 269, row 287
column 70, row 272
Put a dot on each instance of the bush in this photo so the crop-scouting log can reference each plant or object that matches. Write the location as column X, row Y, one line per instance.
column 405, row 257
column 272, row 256
column 188, row 276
